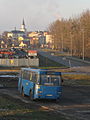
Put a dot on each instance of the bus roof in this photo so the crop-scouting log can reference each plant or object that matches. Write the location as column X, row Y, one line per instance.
column 42, row 71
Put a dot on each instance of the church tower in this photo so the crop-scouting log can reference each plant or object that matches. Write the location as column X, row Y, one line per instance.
column 23, row 29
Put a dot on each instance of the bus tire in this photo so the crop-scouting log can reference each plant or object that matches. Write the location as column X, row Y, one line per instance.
column 23, row 92
column 31, row 95
column 57, row 100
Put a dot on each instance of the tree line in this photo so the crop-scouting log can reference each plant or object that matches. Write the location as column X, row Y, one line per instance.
column 72, row 35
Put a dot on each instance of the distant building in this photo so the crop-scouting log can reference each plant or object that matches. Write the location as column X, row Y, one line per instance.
column 15, row 37
column 49, row 40
column 33, row 34
column 22, row 44
column 17, row 33
column 42, row 40
column 9, row 34
column 22, row 38
column 37, row 38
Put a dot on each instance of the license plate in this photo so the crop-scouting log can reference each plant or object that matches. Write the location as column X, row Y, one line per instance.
column 48, row 95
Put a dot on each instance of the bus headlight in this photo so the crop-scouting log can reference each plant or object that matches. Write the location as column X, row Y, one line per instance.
column 38, row 90
column 37, row 87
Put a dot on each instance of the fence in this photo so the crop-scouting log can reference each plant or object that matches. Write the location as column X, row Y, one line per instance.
column 19, row 62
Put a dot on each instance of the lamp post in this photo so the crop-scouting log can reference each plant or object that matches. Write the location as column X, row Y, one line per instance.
column 71, row 43
column 83, row 46
column 62, row 42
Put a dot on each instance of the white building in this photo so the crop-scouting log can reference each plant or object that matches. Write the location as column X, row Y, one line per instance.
column 48, row 39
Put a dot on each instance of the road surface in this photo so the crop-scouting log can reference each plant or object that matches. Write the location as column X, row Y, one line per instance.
column 67, row 61
column 74, row 64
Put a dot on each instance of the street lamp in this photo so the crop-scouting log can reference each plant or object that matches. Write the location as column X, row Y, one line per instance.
column 83, row 46
column 71, row 43
column 62, row 42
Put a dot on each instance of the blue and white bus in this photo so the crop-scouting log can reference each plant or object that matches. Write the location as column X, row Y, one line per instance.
column 40, row 83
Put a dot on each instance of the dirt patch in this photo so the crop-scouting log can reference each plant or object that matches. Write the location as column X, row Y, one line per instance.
column 74, row 102
column 15, row 109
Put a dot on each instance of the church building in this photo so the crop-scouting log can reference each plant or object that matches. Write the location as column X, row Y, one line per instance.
column 23, row 28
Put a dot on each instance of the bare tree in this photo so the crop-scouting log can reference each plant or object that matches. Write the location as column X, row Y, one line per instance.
column 72, row 35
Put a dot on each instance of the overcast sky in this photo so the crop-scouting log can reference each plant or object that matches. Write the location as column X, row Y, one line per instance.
column 38, row 14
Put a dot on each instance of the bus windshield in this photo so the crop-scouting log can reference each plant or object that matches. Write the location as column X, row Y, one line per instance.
column 50, row 80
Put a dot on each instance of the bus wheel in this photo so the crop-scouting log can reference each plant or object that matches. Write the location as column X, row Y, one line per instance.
column 57, row 100
column 23, row 92
column 31, row 95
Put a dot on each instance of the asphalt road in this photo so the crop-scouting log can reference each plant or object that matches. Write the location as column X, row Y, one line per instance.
column 69, row 62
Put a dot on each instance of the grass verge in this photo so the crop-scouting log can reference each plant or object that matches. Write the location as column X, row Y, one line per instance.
column 76, row 79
